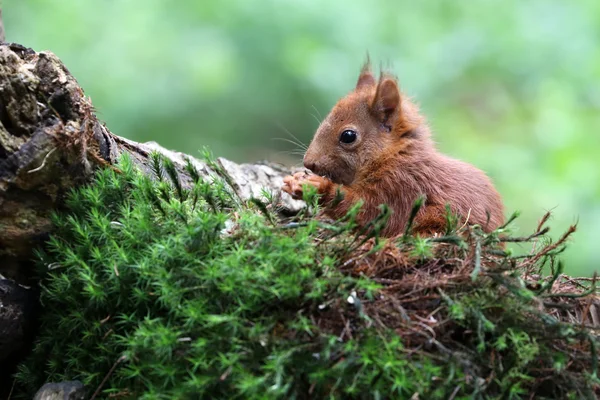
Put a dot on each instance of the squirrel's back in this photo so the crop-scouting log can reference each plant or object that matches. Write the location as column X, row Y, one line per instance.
column 399, row 178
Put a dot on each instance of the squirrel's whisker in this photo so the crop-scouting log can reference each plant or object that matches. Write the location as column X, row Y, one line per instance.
column 297, row 141
column 300, row 145
column 316, row 119
column 318, row 113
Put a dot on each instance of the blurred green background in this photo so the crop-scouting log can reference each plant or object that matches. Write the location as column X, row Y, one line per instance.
column 510, row 86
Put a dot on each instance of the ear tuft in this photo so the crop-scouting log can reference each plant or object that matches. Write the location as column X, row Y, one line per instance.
column 386, row 104
column 366, row 78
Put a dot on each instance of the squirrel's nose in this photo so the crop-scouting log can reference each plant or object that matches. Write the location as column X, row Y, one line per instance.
column 310, row 164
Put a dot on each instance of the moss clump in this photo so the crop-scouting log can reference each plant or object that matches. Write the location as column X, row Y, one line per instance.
column 155, row 291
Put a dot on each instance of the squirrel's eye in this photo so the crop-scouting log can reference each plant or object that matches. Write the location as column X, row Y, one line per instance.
column 348, row 136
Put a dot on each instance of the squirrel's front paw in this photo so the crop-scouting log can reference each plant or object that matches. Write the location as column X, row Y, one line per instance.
column 293, row 184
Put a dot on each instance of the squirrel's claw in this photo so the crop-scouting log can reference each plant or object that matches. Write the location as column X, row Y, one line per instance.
column 293, row 184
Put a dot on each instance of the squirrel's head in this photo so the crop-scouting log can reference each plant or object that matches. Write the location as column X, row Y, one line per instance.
column 369, row 123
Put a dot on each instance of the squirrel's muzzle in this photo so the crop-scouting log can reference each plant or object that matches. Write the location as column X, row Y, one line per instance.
column 310, row 165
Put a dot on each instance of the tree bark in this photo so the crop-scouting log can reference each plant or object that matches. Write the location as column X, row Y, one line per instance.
column 51, row 141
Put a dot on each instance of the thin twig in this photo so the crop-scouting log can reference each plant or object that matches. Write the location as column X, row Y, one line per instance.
column 11, row 389
column 112, row 369
column 553, row 246
column 43, row 162
column 466, row 221
column 543, row 221
column 526, row 238
column 591, row 290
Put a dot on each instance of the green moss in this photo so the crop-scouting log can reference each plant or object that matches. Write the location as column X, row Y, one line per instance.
column 154, row 291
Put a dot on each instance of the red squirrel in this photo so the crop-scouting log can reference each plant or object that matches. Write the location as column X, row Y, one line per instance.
column 374, row 146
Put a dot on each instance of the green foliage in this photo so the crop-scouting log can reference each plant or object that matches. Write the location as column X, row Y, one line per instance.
column 154, row 290
column 192, row 300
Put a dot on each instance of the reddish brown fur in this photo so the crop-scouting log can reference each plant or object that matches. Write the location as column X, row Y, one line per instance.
column 392, row 161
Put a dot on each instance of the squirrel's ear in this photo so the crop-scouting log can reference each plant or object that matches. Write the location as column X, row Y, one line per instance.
column 386, row 105
column 366, row 77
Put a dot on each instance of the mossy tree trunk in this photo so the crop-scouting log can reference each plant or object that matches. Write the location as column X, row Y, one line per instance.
column 51, row 141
